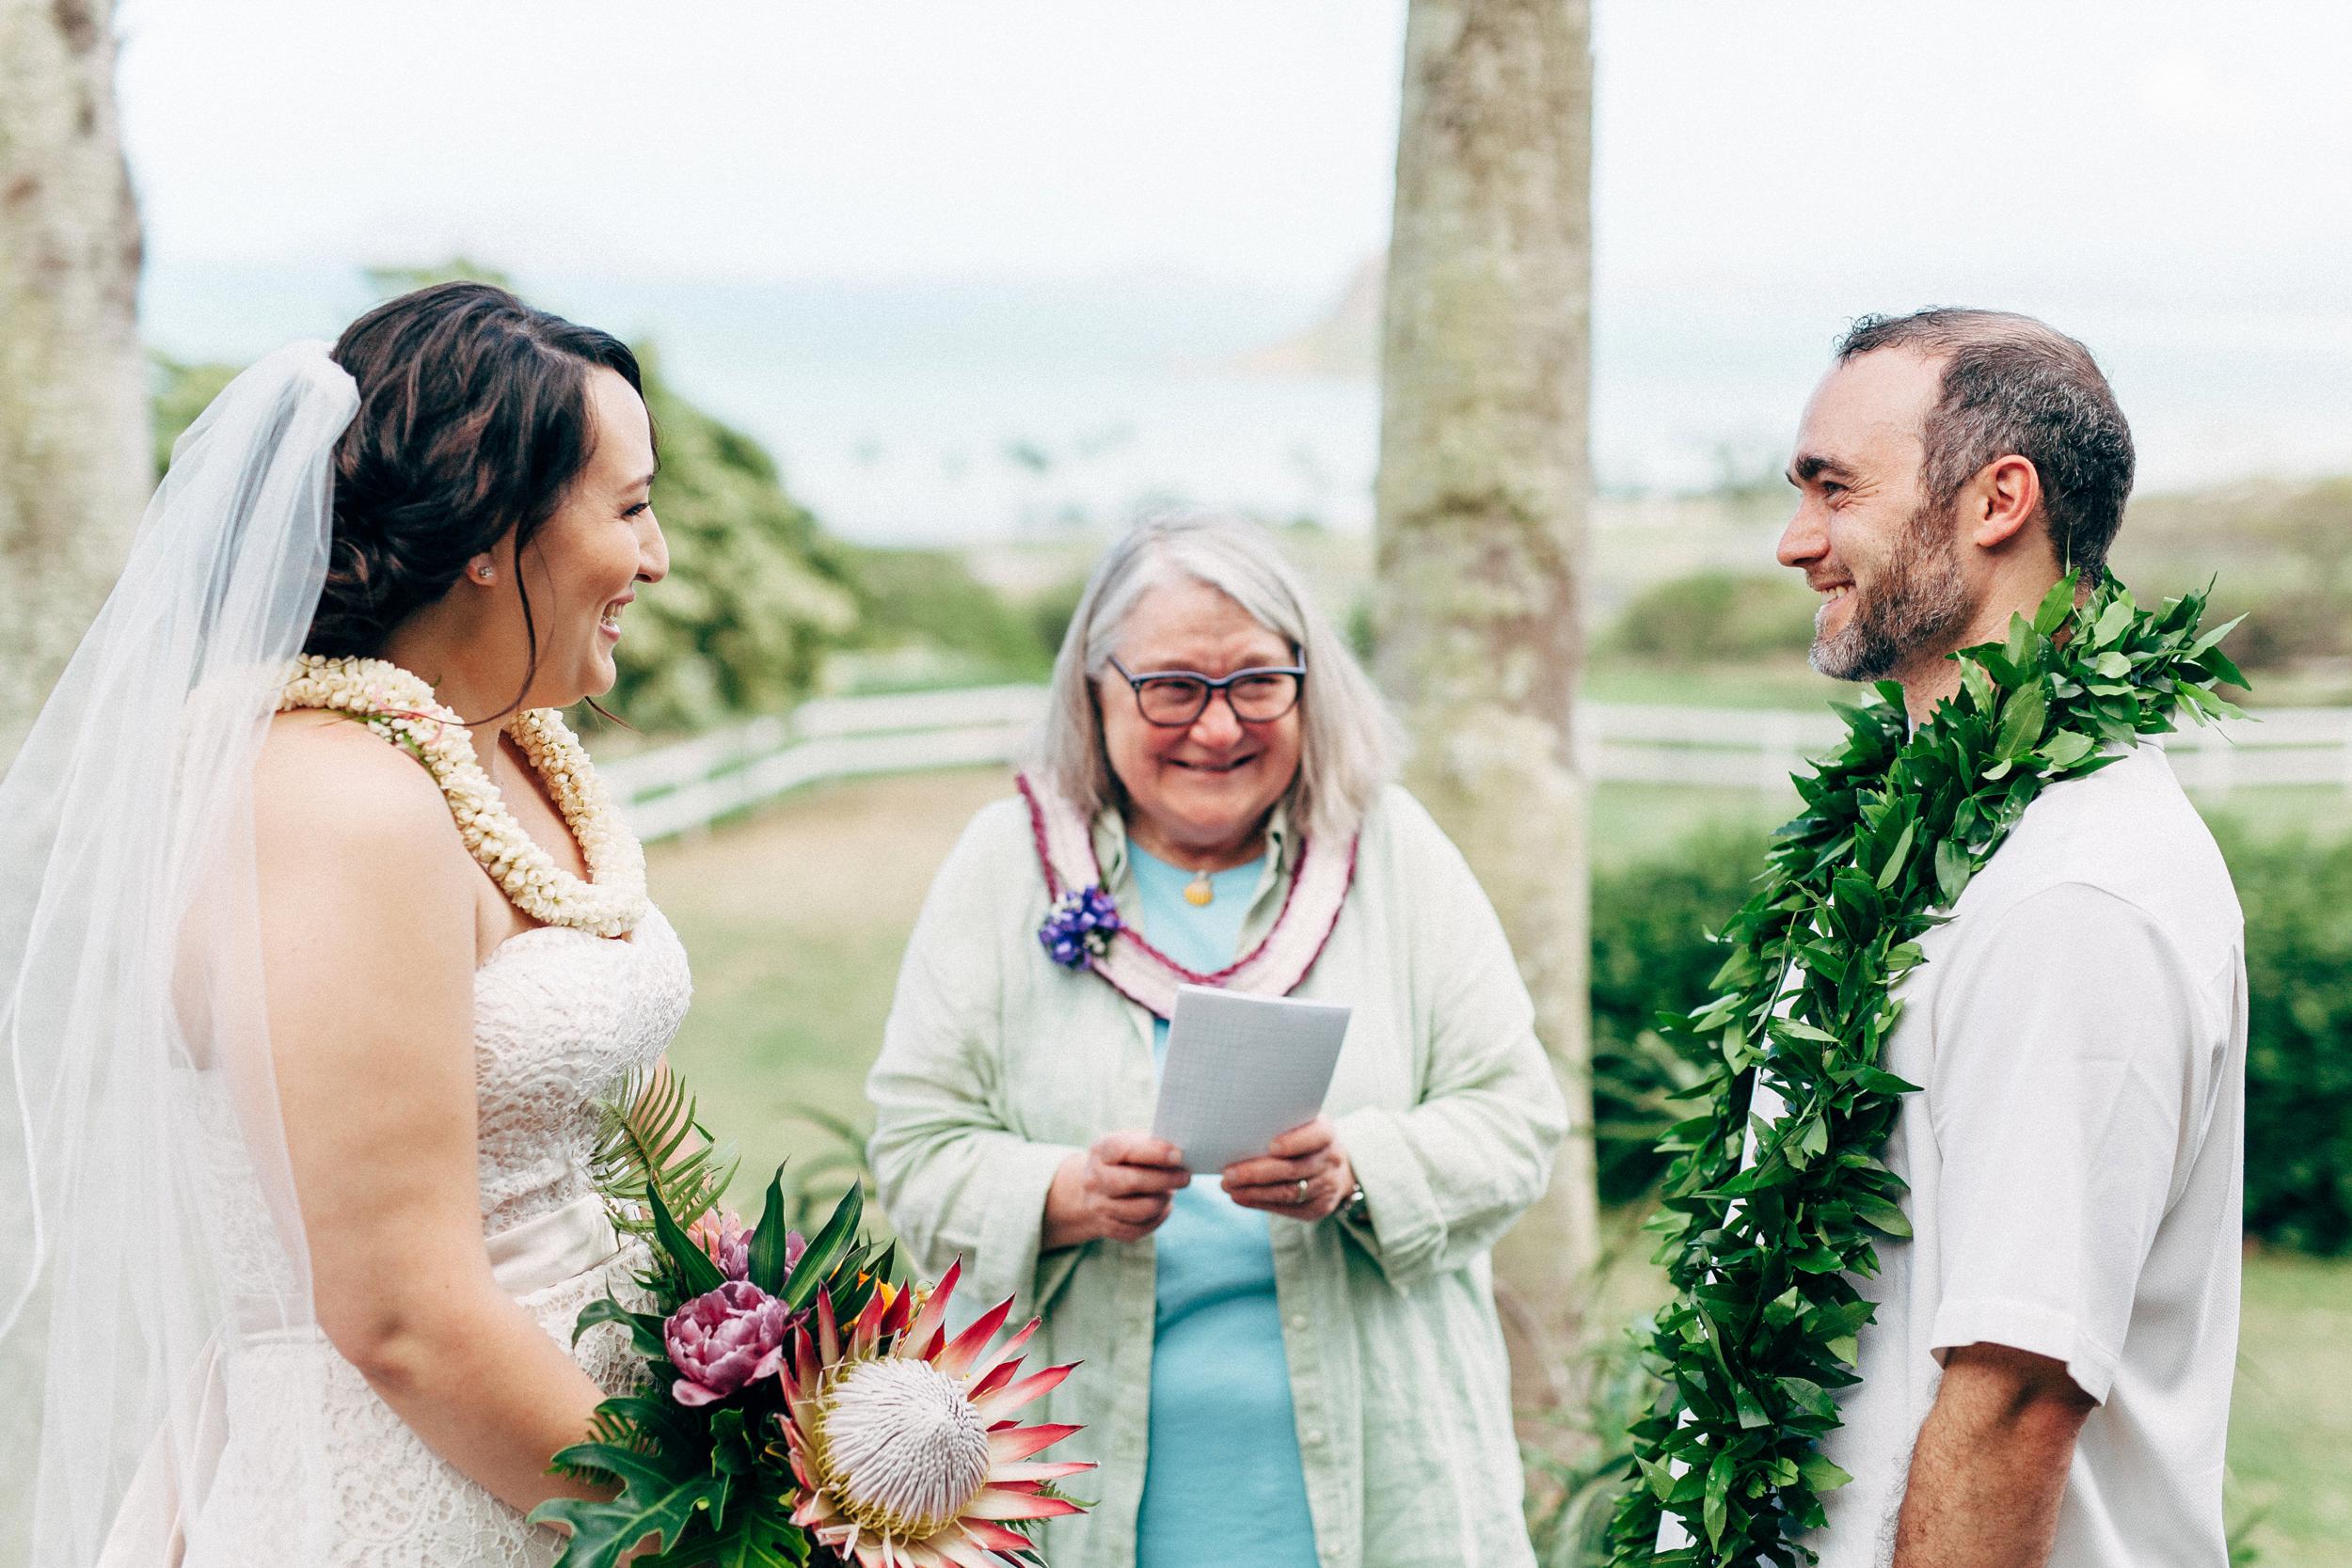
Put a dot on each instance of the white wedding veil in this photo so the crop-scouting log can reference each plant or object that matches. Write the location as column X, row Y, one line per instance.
column 140, row 1139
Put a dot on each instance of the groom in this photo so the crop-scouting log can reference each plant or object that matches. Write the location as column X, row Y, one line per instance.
column 2047, row 1379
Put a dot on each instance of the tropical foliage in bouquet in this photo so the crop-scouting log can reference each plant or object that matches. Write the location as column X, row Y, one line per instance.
column 802, row 1403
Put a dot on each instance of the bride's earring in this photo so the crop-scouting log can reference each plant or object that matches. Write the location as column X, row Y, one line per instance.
column 484, row 571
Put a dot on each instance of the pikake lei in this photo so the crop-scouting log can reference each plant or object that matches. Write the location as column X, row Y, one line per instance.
column 1765, row 1319
column 402, row 709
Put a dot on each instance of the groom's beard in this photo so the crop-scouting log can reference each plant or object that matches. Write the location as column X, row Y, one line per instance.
column 1918, row 606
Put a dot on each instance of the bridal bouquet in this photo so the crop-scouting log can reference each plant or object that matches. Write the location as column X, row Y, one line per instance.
column 803, row 1404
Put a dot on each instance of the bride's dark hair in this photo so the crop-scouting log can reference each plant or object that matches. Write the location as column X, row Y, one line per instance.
column 474, row 419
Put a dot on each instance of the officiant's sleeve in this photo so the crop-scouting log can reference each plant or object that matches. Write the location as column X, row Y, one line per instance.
column 955, row 1180
column 1445, row 1178
column 2074, row 1076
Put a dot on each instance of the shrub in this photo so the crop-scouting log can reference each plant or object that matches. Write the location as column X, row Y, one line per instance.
column 1717, row 617
column 757, row 593
column 2297, row 896
column 1651, row 954
column 1052, row 611
column 930, row 596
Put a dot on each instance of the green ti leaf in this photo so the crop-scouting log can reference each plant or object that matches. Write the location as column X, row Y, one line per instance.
column 1719, row 1478
column 691, row 1265
column 2022, row 719
column 826, row 1250
column 2057, row 606
column 1953, row 871
column 771, row 1239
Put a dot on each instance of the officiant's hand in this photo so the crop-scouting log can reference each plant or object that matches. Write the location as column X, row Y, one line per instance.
column 1118, row 1190
column 1303, row 1174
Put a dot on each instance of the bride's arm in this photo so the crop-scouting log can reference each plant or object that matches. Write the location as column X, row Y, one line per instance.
column 368, row 937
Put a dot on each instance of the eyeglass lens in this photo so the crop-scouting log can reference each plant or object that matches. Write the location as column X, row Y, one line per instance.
column 1180, row 700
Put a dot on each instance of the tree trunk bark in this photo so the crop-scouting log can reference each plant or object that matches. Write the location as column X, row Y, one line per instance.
column 75, row 462
column 1484, row 479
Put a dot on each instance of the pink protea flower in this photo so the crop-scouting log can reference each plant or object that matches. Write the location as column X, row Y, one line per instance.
column 722, row 1340
column 905, row 1443
column 722, row 1235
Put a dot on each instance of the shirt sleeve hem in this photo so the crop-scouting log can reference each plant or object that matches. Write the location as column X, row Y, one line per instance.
column 1406, row 1232
column 2035, row 1329
column 1013, row 1228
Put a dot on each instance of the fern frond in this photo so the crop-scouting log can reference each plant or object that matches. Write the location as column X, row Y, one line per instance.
column 652, row 1133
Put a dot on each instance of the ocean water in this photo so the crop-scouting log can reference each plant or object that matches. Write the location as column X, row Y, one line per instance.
column 919, row 412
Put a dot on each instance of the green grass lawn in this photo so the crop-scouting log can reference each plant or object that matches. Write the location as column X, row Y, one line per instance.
column 796, row 919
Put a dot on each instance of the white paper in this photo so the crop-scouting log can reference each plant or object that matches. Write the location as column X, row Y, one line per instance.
column 1241, row 1068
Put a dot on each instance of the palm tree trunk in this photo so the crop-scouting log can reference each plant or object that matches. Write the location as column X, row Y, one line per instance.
column 75, row 464
column 1484, row 480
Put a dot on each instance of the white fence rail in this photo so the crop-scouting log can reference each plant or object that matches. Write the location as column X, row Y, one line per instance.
column 691, row 784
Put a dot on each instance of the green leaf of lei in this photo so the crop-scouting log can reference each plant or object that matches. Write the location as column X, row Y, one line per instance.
column 1764, row 1316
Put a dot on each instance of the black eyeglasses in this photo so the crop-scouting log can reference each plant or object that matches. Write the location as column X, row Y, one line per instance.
column 1173, row 699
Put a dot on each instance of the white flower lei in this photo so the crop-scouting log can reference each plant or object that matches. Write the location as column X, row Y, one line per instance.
column 402, row 709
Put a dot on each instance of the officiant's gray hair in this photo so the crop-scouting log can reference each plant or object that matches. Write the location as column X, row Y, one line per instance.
column 1349, row 742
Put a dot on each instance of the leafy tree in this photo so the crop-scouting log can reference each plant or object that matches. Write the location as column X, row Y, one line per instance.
column 756, row 593
column 929, row 597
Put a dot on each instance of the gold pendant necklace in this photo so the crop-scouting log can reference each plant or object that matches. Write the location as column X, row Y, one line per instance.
column 1200, row 891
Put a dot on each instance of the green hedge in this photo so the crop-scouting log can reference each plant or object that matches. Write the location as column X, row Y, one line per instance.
column 1715, row 617
column 2297, row 896
column 1651, row 953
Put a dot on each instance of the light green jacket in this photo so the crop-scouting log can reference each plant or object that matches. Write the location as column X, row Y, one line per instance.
column 996, row 1063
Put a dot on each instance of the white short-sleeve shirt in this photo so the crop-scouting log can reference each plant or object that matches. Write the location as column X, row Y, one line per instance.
column 2075, row 1159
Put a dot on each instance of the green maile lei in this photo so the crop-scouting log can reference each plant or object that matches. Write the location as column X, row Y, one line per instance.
column 1764, row 1322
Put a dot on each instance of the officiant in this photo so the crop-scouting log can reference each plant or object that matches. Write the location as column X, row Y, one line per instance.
column 1297, row 1362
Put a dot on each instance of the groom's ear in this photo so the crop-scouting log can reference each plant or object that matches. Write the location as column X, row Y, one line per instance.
column 1998, row 505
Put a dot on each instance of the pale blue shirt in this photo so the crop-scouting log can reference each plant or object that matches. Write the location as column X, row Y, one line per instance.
column 1223, row 1483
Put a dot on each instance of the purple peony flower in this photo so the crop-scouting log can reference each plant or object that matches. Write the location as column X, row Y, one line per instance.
column 722, row 1340
column 1079, row 926
column 722, row 1235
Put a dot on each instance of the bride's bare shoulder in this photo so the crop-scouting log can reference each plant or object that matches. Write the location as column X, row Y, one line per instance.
column 324, row 781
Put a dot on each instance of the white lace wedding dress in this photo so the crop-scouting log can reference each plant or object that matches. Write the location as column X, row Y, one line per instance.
column 562, row 1019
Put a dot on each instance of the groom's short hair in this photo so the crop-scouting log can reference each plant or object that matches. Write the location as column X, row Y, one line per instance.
column 2012, row 385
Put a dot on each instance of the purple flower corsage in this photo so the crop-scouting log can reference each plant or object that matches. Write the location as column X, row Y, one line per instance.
column 1079, row 926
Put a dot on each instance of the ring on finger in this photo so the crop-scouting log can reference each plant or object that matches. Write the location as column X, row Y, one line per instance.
column 1300, row 1201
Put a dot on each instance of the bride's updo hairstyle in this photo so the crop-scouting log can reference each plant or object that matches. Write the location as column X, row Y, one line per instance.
column 474, row 420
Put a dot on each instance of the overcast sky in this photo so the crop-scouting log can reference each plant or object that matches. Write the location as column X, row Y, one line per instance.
column 2177, row 154
column 2170, row 180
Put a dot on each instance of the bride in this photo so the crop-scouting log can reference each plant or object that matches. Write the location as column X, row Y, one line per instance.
column 314, row 970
